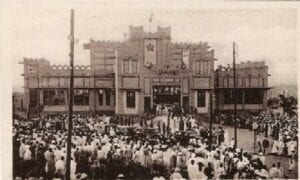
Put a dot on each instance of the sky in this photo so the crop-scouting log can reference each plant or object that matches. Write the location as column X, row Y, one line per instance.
column 261, row 34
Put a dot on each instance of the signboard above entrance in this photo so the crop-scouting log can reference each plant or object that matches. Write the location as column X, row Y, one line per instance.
column 166, row 80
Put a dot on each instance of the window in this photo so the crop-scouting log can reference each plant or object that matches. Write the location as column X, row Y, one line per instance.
column 130, row 66
column 54, row 97
column 107, row 96
column 203, row 67
column 197, row 70
column 253, row 96
column 81, row 97
column 229, row 96
column 125, row 66
column 209, row 67
column 130, row 99
column 134, row 64
column 100, row 97
column 201, row 98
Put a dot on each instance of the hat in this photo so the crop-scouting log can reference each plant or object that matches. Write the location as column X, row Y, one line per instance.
column 83, row 175
column 177, row 169
column 260, row 154
column 164, row 146
column 121, row 176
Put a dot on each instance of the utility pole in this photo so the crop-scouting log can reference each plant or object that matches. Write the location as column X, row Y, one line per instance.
column 70, row 124
column 234, row 97
column 116, row 83
column 38, row 88
column 210, row 119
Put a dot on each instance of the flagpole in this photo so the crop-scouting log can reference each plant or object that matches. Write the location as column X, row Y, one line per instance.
column 150, row 21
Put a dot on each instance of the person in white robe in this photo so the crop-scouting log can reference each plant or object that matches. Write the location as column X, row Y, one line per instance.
column 192, row 169
column 60, row 166
column 27, row 154
column 226, row 138
column 280, row 147
column 274, row 172
column 274, row 147
column 22, row 149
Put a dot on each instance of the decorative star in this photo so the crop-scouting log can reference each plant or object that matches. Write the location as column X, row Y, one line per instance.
column 150, row 47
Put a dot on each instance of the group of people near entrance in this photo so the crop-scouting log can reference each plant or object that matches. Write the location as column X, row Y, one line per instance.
column 167, row 109
column 40, row 153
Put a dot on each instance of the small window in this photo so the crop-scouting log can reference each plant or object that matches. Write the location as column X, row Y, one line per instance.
column 134, row 66
column 130, row 99
column 107, row 96
column 201, row 98
column 81, row 97
column 126, row 66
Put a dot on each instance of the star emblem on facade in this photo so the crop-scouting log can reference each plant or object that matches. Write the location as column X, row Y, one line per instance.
column 150, row 47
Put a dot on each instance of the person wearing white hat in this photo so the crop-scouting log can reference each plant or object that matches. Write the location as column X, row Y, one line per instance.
column 176, row 175
column 120, row 176
column 83, row 176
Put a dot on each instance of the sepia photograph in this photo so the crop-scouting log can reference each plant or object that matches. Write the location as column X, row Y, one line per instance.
column 140, row 92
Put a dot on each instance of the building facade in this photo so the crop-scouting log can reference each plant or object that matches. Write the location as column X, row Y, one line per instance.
column 133, row 76
column 151, row 69
column 251, row 87
column 128, row 77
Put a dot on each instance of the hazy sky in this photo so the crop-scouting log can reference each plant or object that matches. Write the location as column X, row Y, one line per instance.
column 261, row 34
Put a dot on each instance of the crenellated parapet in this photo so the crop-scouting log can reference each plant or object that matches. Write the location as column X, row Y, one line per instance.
column 42, row 67
column 187, row 45
column 137, row 32
column 244, row 65
column 107, row 43
column 249, row 68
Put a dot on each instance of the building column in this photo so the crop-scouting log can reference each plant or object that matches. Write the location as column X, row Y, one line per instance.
column 66, row 99
column 41, row 95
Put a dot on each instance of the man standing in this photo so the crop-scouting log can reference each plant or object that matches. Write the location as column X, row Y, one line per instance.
column 209, row 171
column 265, row 145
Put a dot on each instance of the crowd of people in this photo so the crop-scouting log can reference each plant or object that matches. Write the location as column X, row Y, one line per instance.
column 281, row 128
column 97, row 153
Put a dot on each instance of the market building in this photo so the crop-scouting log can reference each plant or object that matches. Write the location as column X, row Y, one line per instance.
column 133, row 76
column 151, row 69
column 145, row 70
